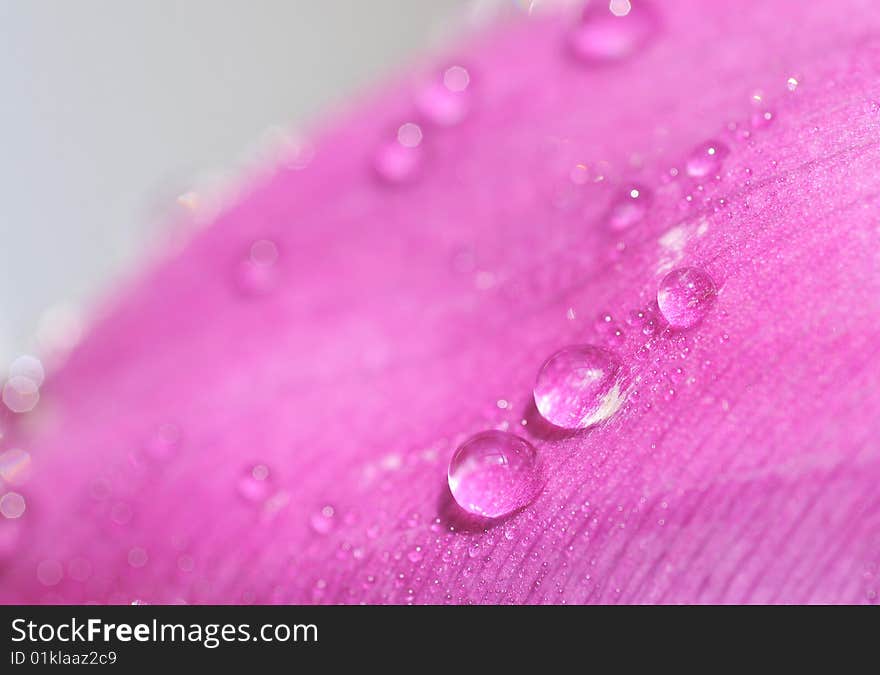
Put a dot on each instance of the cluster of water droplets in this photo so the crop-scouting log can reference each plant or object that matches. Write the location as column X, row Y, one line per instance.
column 443, row 101
column 495, row 473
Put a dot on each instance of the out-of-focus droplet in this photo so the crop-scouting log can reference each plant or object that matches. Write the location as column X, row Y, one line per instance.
column 398, row 161
column 137, row 557
column 163, row 442
column 254, row 485
column 30, row 367
column 257, row 274
column 684, row 296
column 12, row 505
column 495, row 473
column 761, row 118
column 706, row 159
column 445, row 101
column 613, row 31
column 50, row 572
column 323, row 520
column 629, row 207
column 578, row 387
column 15, row 466
column 21, row 394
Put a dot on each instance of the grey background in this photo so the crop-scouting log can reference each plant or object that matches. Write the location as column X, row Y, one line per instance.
column 112, row 108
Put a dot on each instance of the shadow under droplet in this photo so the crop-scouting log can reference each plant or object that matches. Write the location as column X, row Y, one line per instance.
column 538, row 427
column 452, row 515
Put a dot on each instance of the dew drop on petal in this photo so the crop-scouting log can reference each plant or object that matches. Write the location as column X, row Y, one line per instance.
column 30, row 367
column 323, row 520
column 49, row 572
column 257, row 273
column 684, row 296
column 254, row 484
column 21, row 394
column 578, row 387
column 137, row 557
column 629, row 207
column 445, row 101
column 610, row 32
column 12, row 505
column 495, row 473
column 706, row 159
column 396, row 163
column 15, row 466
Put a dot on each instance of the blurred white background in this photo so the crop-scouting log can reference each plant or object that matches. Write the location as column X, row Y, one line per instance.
column 112, row 108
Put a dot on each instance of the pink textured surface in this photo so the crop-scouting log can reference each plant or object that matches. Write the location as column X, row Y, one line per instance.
column 743, row 466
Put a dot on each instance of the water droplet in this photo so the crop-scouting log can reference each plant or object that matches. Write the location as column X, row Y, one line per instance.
column 611, row 32
column 12, row 505
column 792, row 83
column 409, row 135
column 257, row 273
column 398, row 161
column 21, row 394
column 761, row 118
column 578, row 387
column 254, row 485
column 15, row 466
column 49, row 572
column 137, row 557
column 494, row 473
column 629, row 207
column 323, row 521
column 706, row 159
column 445, row 101
column 30, row 367
column 163, row 442
column 684, row 296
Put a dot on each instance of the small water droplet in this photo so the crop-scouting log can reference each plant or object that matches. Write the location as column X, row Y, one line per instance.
column 610, row 32
column 398, row 161
column 15, row 466
column 257, row 274
column 254, row 485
column 684, row 296
column 706, row 159
column 761, row 118
column 495, row 473
column 12, row 505
column 137, row 557
column 50, row 572
column 323, row 521
column 30, row 367
column 792, row 83
column 21, row 394
column 445, row 101
column 163, row 442
column 629, row 208
column 578, row 387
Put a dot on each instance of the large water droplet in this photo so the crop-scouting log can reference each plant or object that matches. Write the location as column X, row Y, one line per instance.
column 494, row 473
column 445, row 101
column 629, row 207
column 578, row 387
column 685, row 296
column 706, row 159
column 609, row 32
